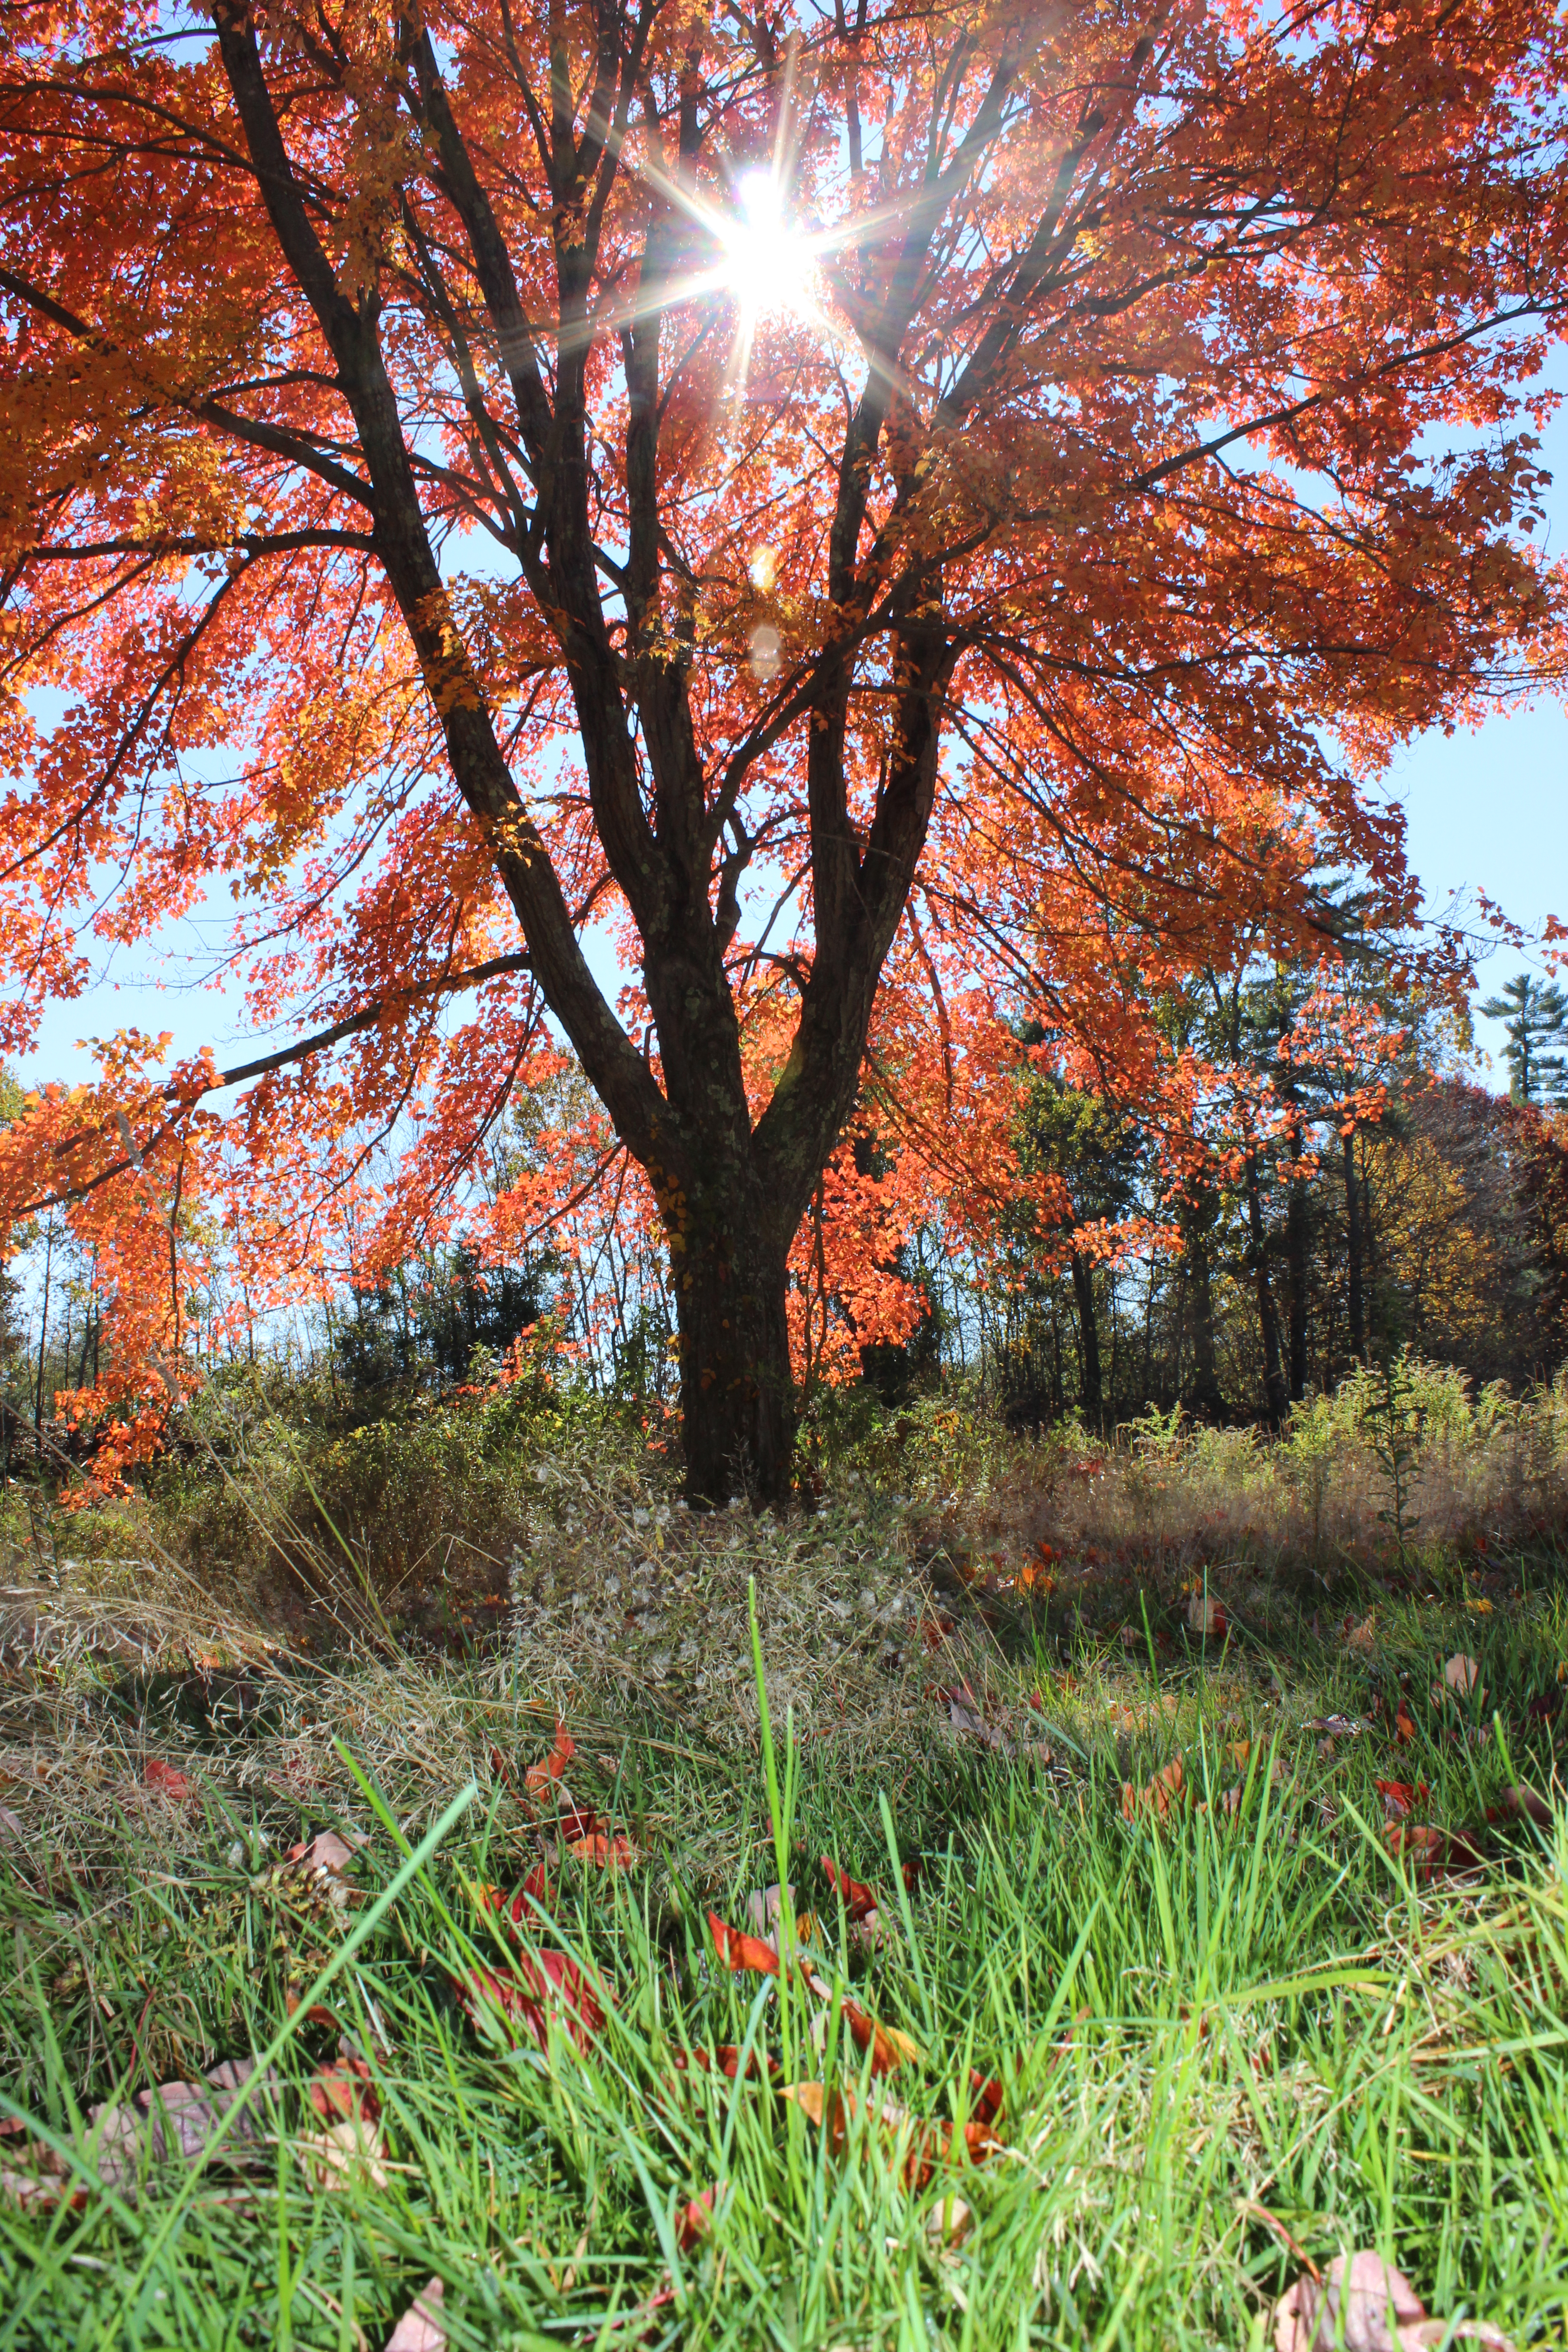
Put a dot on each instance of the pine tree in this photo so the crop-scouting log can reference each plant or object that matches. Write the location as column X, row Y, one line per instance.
column 1535, row 1016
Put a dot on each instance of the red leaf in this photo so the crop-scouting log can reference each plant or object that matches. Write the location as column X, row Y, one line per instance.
column 858, row 1900
column 726, row 2060
column 738, row 1950
column 344, row 2092
column 987, row 2097
column 694, row 2220
column 1398, row 1796
column 611, row 1851
column 526, row 1991
column 1404, row 1727
column 1435, row 1853
column 539, row 1775
column 167, row 1781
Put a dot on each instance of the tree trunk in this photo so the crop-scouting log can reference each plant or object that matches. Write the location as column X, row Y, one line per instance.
column 737, row 1389
column 1273, row 1370
column 1297, row 1266
column 1207, row 1396
column 1354, row 1250
column 1088, row 1339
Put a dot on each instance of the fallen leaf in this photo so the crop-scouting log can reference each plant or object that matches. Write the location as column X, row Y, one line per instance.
column 1336, row 1727
column 1404, row 1726
column 695, row 2219
column 890, row 2049
column 527, row 1901
column 603, row 1851
column 178, row 2118
column 167, row 1781
column 1358, row 1636
column 325, row 1851
column 1164, row 1791
column 1240, row 1753
column 1398, row 1797
column 1527, row 1803
column 420, row 2328
column 949, row 2221
column 1381, row 2313
column 1461, row 1676
column 737, row 1950
column 726, row 2060
column 530, row 1993
column 12, row 1823
column 1206, row 1617
column 858, row 1900
column 931, row 2143
column 762, row 1910
column 1434, row 1853
column 538, row 1777
column 344, row 2092
column 346, row 2154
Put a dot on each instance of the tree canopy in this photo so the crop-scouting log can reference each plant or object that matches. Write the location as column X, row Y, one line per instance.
column 913, row 520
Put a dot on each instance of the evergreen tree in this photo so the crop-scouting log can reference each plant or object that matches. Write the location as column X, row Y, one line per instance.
column 1535, row 1017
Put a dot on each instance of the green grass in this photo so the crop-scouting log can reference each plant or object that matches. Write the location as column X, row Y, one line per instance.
column 1220, row 2035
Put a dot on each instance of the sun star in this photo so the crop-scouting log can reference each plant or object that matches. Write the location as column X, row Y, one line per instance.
column 770, row 261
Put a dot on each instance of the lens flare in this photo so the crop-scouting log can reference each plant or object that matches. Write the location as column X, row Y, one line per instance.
column 770, row 261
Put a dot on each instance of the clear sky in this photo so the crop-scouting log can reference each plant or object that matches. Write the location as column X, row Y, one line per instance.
column 1486, row 810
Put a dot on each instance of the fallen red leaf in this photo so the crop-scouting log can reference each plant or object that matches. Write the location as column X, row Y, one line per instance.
column 695, row 2219
column 1398, row 1796
column 888, row 2046
column 1164, row 1791
column 526, row 1991
column 604, row 1852
column 344, row 2092
column 738, row 1950
column 912, row 1872
column 988, row 2098
column 858, row 1900
column 539, row 1777
column 1435, row 1853
column 932, row 2142
column 726, row 2060
column 1404, row 1726
column 525, row 1902
column 166, row 1780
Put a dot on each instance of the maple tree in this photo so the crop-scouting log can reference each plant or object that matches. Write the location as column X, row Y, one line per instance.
column 904, row 517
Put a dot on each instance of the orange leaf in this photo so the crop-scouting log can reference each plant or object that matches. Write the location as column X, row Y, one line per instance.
column 604, row 1852
column 526, row 1992
column 858, row 1900
column 695, row 2219
column 344, row 2092
column 726, row 2060
column 167, row 1781
column 737, row 1950
column 539, row 1775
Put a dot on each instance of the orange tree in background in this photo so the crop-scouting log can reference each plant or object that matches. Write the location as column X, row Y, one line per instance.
column 841, row 498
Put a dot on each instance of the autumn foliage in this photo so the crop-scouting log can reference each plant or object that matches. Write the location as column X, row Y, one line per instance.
column 902, row 526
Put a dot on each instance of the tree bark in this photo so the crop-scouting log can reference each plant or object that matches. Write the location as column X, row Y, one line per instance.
column 1273, row 1368
column 1298, row 1267
column 1354, row 1251
column 737, row 1386
column 1088, row 1339
column 1207, row 1396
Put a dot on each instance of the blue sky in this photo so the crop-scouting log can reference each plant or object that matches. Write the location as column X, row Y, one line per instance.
column 1486, row 810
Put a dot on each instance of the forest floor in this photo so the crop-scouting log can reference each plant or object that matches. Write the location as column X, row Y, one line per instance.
column 1195, row 1919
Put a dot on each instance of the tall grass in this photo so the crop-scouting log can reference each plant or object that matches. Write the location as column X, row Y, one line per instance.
column 1222, row 2035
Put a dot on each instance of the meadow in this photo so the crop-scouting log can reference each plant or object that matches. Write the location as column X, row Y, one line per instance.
column 1172, row 1823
